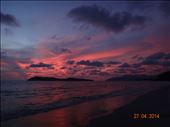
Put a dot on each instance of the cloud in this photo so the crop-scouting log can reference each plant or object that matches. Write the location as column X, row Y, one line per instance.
column 66, row 50
column 9, row 20
column 113, row 62
column 124, row 65
column 98, row 72
column 156, row 59
column 136, row 65
column 121, row 70
column 10, row 68
column 157, row 62
column 40, row 65
column 99, row 16
column 138, row 57
column 11, row 55
column 96, row 63
column 90, row 63
column 70, row 62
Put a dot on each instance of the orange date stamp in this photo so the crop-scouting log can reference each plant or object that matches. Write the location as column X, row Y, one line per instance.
column 146, row 116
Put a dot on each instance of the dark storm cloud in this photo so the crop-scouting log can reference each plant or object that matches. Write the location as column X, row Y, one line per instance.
column 125, row 65
column 156, row 59
column 99, row 16
column 90, row 63
column 9, row 20
column 40, row 65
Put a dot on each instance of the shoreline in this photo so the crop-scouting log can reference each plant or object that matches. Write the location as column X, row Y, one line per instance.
column 99, row 113
column 156, row 102
column 69, row 103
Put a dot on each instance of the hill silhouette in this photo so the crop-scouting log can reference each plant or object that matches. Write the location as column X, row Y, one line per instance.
column 165, row 76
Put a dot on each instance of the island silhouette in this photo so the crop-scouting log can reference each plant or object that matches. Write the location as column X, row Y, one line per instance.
column 165, row 76
column 39, row 78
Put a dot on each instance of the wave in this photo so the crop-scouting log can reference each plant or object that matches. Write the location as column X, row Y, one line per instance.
column 30, row 110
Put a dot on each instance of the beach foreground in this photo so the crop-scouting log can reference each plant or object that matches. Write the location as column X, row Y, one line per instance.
column 156, row 102
column 112, row 108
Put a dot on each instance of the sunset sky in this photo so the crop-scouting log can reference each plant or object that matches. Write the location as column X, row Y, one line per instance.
column 95, row 40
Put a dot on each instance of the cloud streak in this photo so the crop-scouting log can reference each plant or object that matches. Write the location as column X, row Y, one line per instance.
column 160, row 58
column 124, row 65
column 41, row 65
column 90, row 63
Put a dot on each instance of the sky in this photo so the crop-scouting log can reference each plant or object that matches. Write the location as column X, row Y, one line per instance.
column 94, row 39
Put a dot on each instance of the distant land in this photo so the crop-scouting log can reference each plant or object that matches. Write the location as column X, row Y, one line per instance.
column 161, row 77
column 38, row 78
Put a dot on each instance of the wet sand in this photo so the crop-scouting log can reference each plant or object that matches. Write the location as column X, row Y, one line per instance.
column 156, row 102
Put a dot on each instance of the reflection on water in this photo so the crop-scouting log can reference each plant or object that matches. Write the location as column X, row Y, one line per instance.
column 74, row 115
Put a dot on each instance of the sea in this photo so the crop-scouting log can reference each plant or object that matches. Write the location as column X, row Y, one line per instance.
column 74, row 102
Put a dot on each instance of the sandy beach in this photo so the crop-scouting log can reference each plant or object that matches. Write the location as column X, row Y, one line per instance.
column 155, row 102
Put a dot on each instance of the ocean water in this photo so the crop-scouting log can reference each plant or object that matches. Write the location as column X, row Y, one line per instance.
column 25, row 98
